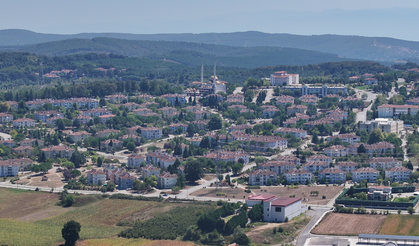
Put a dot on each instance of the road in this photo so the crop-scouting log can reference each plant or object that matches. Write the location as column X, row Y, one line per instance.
column 238, row 90
column 317, row 214
column 362, row 115
column 5, row 136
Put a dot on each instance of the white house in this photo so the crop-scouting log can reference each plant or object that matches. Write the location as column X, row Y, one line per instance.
column 315, row 166
column 349, row 138
column 8, row 168
column 96, row 176
column 23, row 122
column 166, row 180
column 367, row 173
column 298, row 176
column 151, row 132
column 347, row 166
column 135, row 160
column 333, row 175
column 261, row 177
column 149, row 171
column 336, row 151
column 282, row 78
column 281, row 209
column 398, row 174
column 299, row 133
column 384, row 162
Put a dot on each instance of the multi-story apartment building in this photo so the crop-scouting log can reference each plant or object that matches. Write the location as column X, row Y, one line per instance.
column 336, row 151
column 347, row 166
column 384, row 162
column 23, row 122
column 320, row 157
column 298, row 176
column 96, row 176
column 293, row 109
column 282, row 78
column 315, row 166
column 278, row 167
column 333, row 175
column 385, row 125
column 150, row 170
column 299, row 133
column 165, row 180
column 60, row 151
column 261, row 177
column 367, row 173
column 135, row 160
column 392, row 111
column 151, row 132
column 398, row 174
column 348, row 138
column 160, row 159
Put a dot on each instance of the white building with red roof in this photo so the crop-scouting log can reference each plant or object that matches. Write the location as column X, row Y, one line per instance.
column 281, row 209
column 298, row 176
column 398, row 174
column 23, row 122
column 135, row 160
column 96, row 176
column 333, row 175
column 367, row 173
column 261, row 177
column 151, row 132
column 394, row 111
column 282, row 78
column 165, row 180
column 384, row 162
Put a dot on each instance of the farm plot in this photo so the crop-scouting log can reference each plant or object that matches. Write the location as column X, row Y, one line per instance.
column 349, row 224
column 406, row 225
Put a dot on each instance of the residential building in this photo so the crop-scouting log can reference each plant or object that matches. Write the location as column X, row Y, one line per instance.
column 385, row 125
column 234, row 156
column 278, row 167
column 241, row 128
column 150, row 170
column 84, row 119
column 106, row 133
column 300, row 176
column 151, row 132
column 44, row 115
column 96, row 176
column 5, row 118
column 111, row 145
column 384, row 162
column 367, row 173
column 379, row 148
column 174, row 126
column 172, row 98
column 235, row 98
column 309, row 99
column 320, row 157
column 315, row 166
column 398, row 173
column 165, row 180
column 60, row 151
column 322, row 91
column 261, row 177
column 293, row 109
column 289, row 158
column 394, row 111
column 160, row 159
column 8, row 168
column 333, row 175
column 79, row 136
column 131, row 106
column 283, row 100
column 104, row 118
column 347, row 166
column 202, row 125
column 23, row 122
column 348, row 138
column 96, row 112
column 31, row 142
column 125, row 181
column 381, row 193
column 371, row 81
column 413, row 101
column 23, row 163
column 259, row 143
column 135, row 160
column 336, row 151
column 24, row 150
column 299, row 133
column 9, row 143
column 269, row 112
column 282, row 78
column 119, row 98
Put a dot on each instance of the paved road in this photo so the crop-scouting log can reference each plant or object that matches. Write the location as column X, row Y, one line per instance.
column 317, row 214
column 362, row 115
column 238, row 90
column 5, row 136
column 269, row 94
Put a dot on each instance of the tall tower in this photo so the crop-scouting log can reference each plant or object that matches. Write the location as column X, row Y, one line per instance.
column 215, row 74
column 202, row 73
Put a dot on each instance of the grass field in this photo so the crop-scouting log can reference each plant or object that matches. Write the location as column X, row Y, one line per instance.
column 349, row 224
column 395, row 224
column 132, row 242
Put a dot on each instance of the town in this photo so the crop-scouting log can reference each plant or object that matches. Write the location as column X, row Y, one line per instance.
column 272, row 144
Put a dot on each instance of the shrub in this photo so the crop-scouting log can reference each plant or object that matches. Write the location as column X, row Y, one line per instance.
column 323, row 197
column 280, row 230
column 286, row 219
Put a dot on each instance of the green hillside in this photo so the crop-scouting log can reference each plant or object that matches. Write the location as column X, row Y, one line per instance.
column 192, row 54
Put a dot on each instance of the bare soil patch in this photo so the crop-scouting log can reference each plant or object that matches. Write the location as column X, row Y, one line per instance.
column 301, row 192
column 349, row 224
column 45, row 214
column 54, row 180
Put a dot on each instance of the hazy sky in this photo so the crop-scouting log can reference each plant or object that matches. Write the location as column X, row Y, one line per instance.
column 196, row 16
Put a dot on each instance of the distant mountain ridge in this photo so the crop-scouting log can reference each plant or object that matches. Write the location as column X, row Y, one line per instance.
column 357, row 47
column 187, row 53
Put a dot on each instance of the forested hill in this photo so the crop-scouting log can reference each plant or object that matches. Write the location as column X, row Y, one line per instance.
column 193, row 54
column 358, row 47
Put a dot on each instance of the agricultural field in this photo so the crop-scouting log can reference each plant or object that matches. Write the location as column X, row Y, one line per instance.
column 301, row 191
column 132, row 242
column 407, row 225
column 38, row 220
column 349, row 224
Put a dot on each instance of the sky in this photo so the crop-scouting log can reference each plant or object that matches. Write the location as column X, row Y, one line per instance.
column 387, row 18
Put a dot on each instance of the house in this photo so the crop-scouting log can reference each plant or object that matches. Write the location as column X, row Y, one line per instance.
column 347, row 166
column 9, row 143
column 269, row 112
column 398, row 174
column 133, row 130
column 23, row 122
column 234, row 156
column 336, row 151
column 111, row 144
column 104, row 118
column 379, row 148
column 381, row 193
column 23, row 163
column 96, row 176
column 79, row 136
column 261, row 177
column 235, row 98
column 8, row 168
column 282, row 78
column 5, row 118
column 161, row 159
column 282, row 209
column 371, row 81
column 165, row 180
column 322, row 91
column 394, row 111
column 293, row 109
column 367, row 173
column 289, row 158
column 106, row 133
column 125, row 181
column 319, row 158
column 135, row 160
column 174, row 126
column 278, row 167
column 283, row 100
column 315, row 166
column 60, row 151
column 385, row 125
column 299, row 133
column 131, row 106
column 309, row 99
column 333, row 175
column 44, row 115
column 84, row 119
column 241, row 128
column 151, row 132
column 150, row 170
column 116, row 98
column 142, row 111
column 96, row 112
column 173, row 98
column 348, row 138
column 298, row 176
column 24, row 150
column 384, row 162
